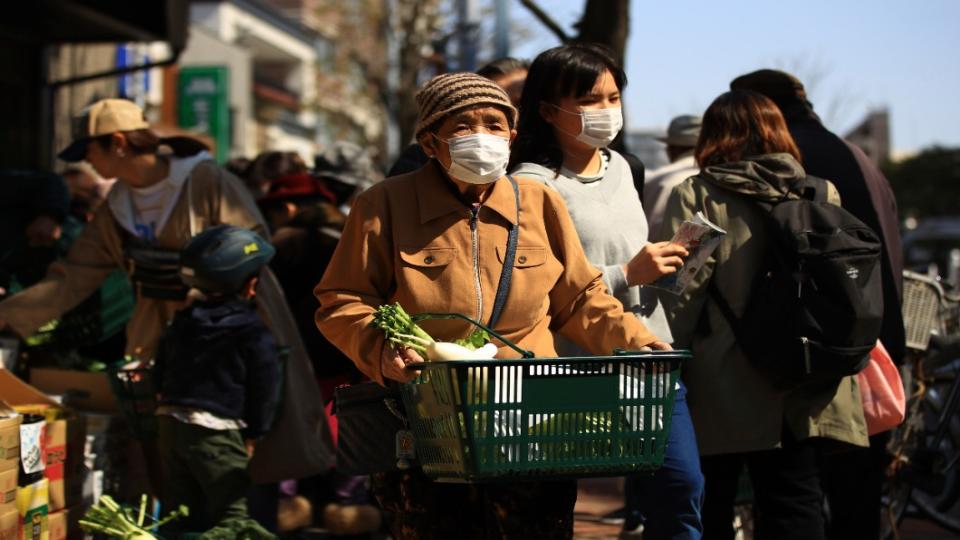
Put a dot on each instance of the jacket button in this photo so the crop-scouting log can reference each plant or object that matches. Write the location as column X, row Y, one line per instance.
column 522, row 259
column 428, row 260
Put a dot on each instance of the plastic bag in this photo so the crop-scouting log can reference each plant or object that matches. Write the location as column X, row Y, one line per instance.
column 884, row 402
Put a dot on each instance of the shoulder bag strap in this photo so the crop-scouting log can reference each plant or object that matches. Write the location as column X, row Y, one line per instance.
column 725, row 310
column 503, row 288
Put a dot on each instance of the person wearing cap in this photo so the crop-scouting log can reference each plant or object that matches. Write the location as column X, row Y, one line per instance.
column 168, row 190
column 852, row 480
column 681, row 139
column 433, row 241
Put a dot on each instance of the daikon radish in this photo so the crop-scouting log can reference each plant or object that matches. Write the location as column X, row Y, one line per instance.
column 402, row 331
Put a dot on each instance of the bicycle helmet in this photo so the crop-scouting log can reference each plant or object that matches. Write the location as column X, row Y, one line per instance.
column 221, row 259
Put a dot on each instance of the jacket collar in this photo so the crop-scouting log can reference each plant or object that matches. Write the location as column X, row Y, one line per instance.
column 436, row 195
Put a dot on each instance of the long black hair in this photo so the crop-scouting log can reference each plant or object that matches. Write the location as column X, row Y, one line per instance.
column 567, row 71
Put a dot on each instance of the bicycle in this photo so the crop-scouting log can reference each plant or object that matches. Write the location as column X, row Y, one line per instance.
column 923, row 475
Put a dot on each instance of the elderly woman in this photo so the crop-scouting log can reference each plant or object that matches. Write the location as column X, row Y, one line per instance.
column 434, row 240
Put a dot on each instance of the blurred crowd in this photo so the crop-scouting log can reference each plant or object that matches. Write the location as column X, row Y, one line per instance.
column 64, row 236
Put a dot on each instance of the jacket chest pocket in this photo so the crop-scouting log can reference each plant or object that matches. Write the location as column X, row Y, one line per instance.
column 430, row 260
column 431, row 279
column 526, row 256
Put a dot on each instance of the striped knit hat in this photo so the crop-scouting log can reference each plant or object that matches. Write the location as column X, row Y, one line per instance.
column 450, row 92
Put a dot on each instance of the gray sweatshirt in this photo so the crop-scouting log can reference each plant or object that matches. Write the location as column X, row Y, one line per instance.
column 609, row 219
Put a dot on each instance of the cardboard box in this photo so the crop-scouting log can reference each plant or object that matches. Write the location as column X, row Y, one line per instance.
column 33, row 507
column 8, row 490
column 9, row 523
column 81, row 389
column 64, row 440
column 57, row 523
column 9, row 437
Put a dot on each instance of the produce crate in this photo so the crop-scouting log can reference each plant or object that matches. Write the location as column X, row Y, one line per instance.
column 476, row 420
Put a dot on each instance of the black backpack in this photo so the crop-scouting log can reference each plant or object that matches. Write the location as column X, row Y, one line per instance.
column 816, row 306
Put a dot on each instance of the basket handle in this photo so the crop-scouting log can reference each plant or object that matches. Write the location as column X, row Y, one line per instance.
column 449, row 316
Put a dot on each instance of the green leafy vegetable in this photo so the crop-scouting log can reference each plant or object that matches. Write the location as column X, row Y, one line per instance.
column 475, row 340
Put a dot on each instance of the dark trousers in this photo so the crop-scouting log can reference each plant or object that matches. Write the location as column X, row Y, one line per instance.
column 669, row 501
column 203, row 469
column 787, row 499
column 852, row 482
column 419, row 509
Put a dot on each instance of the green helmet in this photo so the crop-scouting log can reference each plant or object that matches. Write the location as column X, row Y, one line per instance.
column 221, row 259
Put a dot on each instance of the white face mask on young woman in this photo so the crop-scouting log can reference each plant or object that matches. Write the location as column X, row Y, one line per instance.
column 479, row 158
column 598, row 127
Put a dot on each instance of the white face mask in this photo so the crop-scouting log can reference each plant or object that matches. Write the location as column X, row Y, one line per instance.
column 600, row 126
column 479, row 158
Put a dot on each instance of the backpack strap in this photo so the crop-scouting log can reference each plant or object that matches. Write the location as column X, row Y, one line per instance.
column 503, row 288
column 726, row 310
column 811, row 188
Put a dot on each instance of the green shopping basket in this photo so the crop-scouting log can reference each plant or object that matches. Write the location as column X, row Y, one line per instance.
column 477, row 420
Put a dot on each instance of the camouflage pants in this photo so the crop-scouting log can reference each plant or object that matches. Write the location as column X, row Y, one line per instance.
column 419, row 509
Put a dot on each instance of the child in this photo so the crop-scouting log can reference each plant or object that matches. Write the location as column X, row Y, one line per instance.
column 218, row 374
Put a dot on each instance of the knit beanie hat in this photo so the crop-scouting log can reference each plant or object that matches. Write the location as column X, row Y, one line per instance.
column 451, row 92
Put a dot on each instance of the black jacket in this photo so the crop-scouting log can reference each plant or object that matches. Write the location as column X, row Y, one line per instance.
column 221, row 358
column 865, row 193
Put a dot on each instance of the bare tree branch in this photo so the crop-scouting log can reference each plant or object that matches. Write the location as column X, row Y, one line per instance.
column 546, row 19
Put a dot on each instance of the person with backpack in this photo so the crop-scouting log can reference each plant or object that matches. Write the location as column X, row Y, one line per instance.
column 854, row 483
column 770, row 384
column 570, row 115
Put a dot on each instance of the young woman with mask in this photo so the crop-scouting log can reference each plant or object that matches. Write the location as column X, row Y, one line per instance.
column 434, row 241
column 570, row 113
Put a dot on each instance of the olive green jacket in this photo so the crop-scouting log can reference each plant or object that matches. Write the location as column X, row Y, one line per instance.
column 734, row 408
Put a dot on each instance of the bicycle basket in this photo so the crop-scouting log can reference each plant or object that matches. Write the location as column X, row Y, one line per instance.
column 137, row 399
column 921, row 309
column 572, row 417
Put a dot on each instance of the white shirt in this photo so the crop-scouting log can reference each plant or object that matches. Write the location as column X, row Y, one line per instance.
column 660, row 183
column 144, row 211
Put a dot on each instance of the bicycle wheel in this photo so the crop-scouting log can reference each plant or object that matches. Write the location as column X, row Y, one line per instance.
column 938, row 497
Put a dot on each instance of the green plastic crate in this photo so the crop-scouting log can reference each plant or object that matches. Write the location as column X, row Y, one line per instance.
column 477, row 420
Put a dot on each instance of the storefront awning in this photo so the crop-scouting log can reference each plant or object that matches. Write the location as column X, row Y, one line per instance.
column 92, row 21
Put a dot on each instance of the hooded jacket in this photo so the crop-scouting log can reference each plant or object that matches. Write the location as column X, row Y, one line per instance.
column 734, row 408
column 220, row 357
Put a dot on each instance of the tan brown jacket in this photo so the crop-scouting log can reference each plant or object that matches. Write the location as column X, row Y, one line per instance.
column 409, row 240
column 299, row 443
column 98, row 251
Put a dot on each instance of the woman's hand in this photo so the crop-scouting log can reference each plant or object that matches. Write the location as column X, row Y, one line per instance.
column 393, row 363
column 653, row 261
column 660, row 346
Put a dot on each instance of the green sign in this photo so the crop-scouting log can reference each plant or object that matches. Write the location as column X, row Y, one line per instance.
column 204, row 105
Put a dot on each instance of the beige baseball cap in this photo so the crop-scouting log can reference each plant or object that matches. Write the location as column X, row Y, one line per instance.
column 102, row 118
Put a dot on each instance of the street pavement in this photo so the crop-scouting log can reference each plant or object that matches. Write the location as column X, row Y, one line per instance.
column 598, row 497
